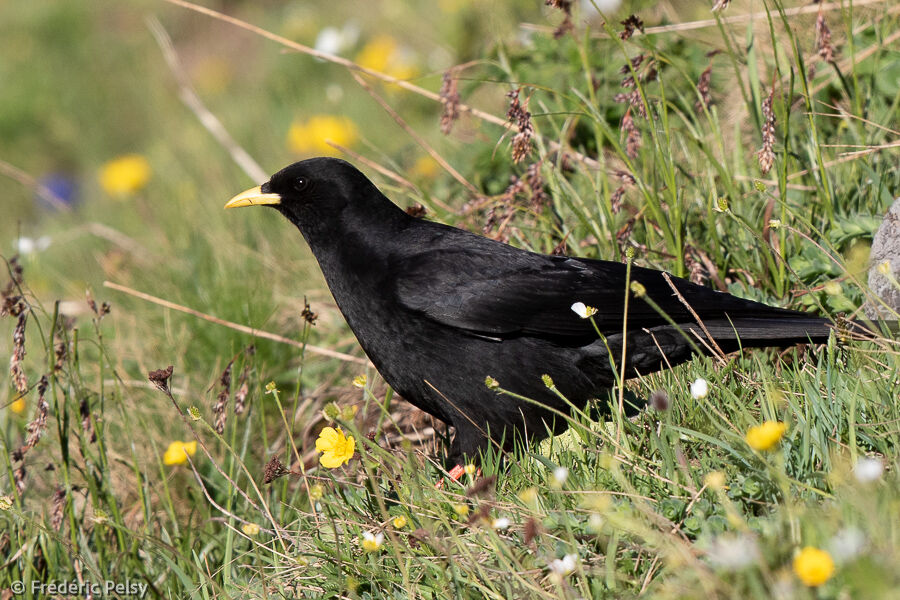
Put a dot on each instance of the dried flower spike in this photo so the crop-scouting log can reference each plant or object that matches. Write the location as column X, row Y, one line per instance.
column 536, row 182
column 273, row 470
column 450, row 98
column 308, row 315
column 16, row 372
column 221, row 405
column 823, row 39
column 240, row 396
column 567, row 25
column 632, row 135
column 659, row 400
column 518, row 113
column 632, row 23
column 160, row 378
column 416, row 210
column 19, row 479
column 59, row 503
column 766, row 154
column 36, row 428
column 703, row 89
column 84, row 409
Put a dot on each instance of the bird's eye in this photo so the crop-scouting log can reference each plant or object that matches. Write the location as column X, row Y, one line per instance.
column 301, row 183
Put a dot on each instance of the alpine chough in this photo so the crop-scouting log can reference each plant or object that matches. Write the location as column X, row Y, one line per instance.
column 438, row 310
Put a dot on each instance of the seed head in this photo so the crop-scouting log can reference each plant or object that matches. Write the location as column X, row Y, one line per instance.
column 450, row 98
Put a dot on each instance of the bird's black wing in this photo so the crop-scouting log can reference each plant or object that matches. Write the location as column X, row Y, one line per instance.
column 499, row 291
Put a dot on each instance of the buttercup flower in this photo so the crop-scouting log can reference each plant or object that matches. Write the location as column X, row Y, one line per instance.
column 425, row 167
column 813, row 566
column 316, row 491
column 359, row 381
column 528, row 495
column 699, row 389
column 399, row 522
column 371, row 542
column 714, row 480
column 312, row 136
column 18, row 405
column 765, row 436
column 177, row 453
column 250, row 528
column 336, row 448
column 584, row 311
column 383, row 54
column 125, row 175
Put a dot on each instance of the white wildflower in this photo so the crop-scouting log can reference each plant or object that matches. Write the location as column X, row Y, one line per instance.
column 563, row 566
column 847, row 544
column 868, row 470
column 584, row 311
column 733, row 552
column 371, row 542
column 560, row 474
column 699, row 389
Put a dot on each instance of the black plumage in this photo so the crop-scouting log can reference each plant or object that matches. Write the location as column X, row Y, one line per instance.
column 438, row 309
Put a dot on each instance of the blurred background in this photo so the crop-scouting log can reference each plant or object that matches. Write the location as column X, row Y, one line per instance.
column 109, row 173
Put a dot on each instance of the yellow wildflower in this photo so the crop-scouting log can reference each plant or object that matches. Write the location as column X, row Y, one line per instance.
column 399, row 522
column 461, row 509
column 250, row 528
column 212, row 75
column 813, row 566
column 359, row 381
column 765, row 436
column 383, row 54
column 425, row 167
column 714, row 480
column 316, row 491
column 125, row 175
column 18, row 405
column 312, row 136
column 177, row 453
column 371, row 542
column 470, row 469
column 336, row 448
column 528, row 495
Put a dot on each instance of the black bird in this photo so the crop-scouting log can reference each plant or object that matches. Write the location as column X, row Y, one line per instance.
column 438, row 309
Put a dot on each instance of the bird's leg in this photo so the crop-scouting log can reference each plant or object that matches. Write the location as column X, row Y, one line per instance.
column 455, row 473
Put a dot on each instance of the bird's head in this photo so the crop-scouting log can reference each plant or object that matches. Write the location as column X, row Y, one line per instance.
column 318, row 195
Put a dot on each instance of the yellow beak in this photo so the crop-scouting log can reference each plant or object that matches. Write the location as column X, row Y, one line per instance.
column 252, row 197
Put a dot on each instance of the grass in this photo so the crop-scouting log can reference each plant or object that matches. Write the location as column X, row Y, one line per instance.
column 671, row 504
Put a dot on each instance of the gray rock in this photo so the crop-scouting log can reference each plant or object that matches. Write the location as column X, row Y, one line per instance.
column 885, row 247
